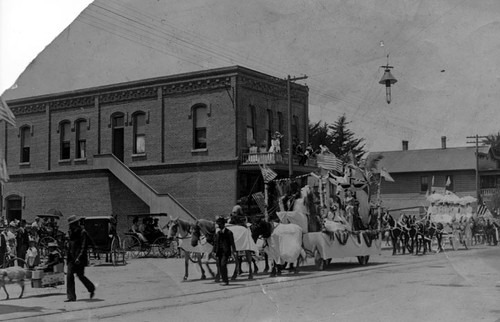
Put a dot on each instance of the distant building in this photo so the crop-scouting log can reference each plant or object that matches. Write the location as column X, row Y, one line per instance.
column 176, row 144
column 415, row 172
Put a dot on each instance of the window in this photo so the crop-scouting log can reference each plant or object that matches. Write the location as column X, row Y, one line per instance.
column 280, row 122
column 449, row 183
column 269, row 126
column 25, row 144
column 13, row 207
column 200, row 127
column 250, row 124
column 139, row 120
column 64, row 132
column 81, row 139
column 295, row 127
column 424, row 184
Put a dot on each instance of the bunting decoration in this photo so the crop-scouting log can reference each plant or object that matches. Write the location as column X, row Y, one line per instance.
column 260, row 200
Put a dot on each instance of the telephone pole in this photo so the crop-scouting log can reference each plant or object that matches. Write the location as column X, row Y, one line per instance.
column 289, row 97
column 476, row 138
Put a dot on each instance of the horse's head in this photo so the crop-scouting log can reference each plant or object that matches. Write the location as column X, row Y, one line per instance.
column 173, row 228
column 261, row 228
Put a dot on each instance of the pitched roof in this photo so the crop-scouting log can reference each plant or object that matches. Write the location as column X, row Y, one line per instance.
column 461, row 158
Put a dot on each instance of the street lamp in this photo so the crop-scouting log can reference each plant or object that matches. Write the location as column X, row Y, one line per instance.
column 388, row 80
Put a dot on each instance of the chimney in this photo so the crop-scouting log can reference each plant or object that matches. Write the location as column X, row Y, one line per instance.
column 443, row 142
column 405, row 145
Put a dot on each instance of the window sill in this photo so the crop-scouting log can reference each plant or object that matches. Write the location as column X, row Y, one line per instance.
column 139, row 156
column 24, row 164
column 80, row 161
column 67, row 161
column 199, row 150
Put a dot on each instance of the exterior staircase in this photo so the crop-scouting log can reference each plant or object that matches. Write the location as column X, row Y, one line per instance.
column 157, row 202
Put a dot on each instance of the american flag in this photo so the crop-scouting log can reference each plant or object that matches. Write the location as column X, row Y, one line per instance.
column 267, row 173
column 482, row 209
column 260, row 200
column 330, row 162
column 6, row 114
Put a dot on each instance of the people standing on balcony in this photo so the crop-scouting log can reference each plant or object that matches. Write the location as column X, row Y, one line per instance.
column 299, row 150
column 275, row 143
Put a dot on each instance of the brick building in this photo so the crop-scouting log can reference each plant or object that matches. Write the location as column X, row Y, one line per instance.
column 415, row 172
column 176, row 144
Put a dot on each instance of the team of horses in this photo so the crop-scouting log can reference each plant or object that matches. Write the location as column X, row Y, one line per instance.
column 412, row 235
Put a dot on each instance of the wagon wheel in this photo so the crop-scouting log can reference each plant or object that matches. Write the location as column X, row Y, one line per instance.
column 132, row 245
column 114, row 250
column 165, row 246
column 318, row 261
column 43, row 245
column 145, row 249
column 363, row 260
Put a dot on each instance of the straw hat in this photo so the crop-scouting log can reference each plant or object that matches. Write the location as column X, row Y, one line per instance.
column 72, row 219
column 52, row 244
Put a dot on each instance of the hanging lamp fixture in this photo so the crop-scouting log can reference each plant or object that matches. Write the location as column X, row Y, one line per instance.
column 388, row 80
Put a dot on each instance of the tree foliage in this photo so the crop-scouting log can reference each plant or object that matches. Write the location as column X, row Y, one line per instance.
column 339, row 139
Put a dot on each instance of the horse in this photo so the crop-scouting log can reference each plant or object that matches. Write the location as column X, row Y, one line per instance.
column 425, row 233
column 396, row 233
column 180, row 229
column 278, row 236
column 205, row 229
column 409, row 225
column 239, row 220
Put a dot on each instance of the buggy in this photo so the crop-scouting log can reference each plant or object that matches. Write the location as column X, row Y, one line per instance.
column 104, row 239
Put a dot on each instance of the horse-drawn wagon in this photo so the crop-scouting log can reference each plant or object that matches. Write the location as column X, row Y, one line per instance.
column 105, row 240
column 147, row 237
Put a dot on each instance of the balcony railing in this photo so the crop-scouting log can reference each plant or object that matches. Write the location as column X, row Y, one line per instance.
column 490, row 191
column 273, row 158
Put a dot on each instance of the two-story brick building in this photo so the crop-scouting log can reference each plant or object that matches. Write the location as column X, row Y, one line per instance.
column 175, row 144
column 415, row 172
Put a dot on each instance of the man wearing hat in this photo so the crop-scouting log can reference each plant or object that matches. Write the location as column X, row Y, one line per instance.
column 223, row 247
column 77, row 258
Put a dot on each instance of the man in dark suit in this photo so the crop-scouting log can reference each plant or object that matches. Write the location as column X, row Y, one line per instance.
column 77, row 259
column 223, row 247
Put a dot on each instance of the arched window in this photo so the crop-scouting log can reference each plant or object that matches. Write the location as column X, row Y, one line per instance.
column 81, row 139
column 200, row 127
column 65, row 140
column 25, row 144
column 139, row 121
column 250, row 124
column 295, row 127
column 269, row 127
column 280, row 122
column 13, row 207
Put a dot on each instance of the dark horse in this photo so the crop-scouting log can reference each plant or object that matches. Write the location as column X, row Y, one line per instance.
column 397, row 233
column 206, row 229
column 265, row 229
column 181, row 230
column 425, row 232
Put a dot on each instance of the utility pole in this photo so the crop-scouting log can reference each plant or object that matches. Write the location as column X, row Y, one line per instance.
column 476, row 137
column 289, row 97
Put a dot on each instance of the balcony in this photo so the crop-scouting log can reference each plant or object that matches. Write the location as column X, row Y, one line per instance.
column 273, row 158
column 488, row 192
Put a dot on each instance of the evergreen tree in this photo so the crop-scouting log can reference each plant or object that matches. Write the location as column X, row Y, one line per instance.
column 345, row 142
column 338, row 138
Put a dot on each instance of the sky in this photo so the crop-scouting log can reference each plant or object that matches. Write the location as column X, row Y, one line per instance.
column 444, row 53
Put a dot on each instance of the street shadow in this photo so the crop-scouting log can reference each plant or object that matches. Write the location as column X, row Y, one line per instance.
column 91, row 300
column 340, row 266
column 7, row 309
column 43, row 295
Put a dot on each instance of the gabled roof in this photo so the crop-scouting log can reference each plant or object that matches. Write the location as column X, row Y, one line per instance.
column 448, row 159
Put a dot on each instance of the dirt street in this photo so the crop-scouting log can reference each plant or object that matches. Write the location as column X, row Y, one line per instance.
column 461, row 285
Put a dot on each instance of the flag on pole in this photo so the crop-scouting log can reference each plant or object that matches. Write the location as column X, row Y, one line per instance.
column 267, row 173
column 329, row 161
column 6, row 114
column 432, row 183
column 386, row 175
column 4, row 176
column 260, row 200
column 482, row 209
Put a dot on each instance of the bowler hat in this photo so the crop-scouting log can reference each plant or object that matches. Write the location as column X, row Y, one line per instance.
column 72, row 219
column 220, row 219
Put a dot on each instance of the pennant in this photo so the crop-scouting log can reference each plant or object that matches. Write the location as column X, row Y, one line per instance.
column 4, row 176
column 482, row 209
column 448, row 181
column 267, row 173
column 6, row 114
column 386, row 175
column 329, row 161
column 432, row 184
